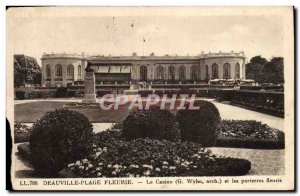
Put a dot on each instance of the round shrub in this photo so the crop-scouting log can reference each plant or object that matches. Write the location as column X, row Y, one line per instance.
column 153, row 123
column 199, row 125
column 207, row 106
column 59, row 137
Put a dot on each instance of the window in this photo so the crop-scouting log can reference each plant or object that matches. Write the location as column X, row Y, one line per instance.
column 226, row 71
column 237, row 71
column 182, row 73
column 206, row 72
column 143, row 73
column 79, row 72
column 70, row 72
column 193, row 73
column 48, row 71
column 215, row 71
column 160, row 72
column 58, row 71
column 171, row 73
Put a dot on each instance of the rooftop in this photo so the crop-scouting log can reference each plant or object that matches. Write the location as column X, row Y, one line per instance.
column 23, row 61
column 168, row 57
column 62, row 55
column 152, row 56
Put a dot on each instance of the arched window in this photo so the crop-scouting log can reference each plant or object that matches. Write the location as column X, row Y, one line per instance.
column 79, row 72
column 182, row 73
column 215, row 71
column 48, row 71
column 237, row 71
column 226, row 71
column 70, row 72
column 58, row 71
column 206, row 72
column 160, row 72
column 171, row 73
column 143, row 73
column 193, row 72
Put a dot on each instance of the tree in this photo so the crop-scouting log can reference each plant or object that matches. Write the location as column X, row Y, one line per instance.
column 263, row 71
column 254, row 68
column 273, row 71
column 38, row 79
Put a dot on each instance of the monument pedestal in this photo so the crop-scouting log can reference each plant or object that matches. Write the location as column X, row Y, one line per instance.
column 89, row 87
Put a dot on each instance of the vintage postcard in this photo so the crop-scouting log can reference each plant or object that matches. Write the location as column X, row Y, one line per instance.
column 151, row 98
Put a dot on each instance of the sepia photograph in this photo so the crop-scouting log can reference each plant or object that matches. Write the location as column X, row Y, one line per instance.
column 151, row 98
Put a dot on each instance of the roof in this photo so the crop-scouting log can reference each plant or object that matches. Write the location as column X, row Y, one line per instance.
column 166, row 57
column 63, row 56
column 25, row 62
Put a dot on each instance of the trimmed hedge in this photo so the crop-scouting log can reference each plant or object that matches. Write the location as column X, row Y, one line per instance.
column 22, row 137
column 61, row 92
column 24, row 150
column 153, row 123
column 199, row 125
column 57, row 138
column 102, row 93
column 20, row 95
column 249, row 143
column 145, row 93
column 267, row 102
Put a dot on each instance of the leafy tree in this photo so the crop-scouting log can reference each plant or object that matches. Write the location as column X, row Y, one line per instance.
column 263, row 71
column 273, row 71
column 38, row 79
column 254, row 68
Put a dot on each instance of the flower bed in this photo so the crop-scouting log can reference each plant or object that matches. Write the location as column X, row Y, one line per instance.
column 263, row 101
column 113, row 156
column 249, row 134
column 21, row 133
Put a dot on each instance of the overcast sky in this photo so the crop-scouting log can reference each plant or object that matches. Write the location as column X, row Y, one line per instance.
column 122, row 35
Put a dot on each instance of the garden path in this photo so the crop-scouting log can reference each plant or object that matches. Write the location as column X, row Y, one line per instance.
column 237, row 113
column 263, row 162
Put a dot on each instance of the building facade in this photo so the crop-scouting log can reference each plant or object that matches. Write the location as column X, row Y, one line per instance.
column 62, row 69
column 27, row 71
column 66, row 69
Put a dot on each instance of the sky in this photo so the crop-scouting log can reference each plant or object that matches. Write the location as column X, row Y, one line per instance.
column 123, row 35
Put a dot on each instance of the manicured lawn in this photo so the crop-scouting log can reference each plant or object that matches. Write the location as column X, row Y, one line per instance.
column 30, row 112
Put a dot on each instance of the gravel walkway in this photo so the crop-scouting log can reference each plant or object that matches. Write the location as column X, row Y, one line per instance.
column 263, row 162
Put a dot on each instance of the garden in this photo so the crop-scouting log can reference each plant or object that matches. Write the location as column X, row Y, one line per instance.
column 147, row 143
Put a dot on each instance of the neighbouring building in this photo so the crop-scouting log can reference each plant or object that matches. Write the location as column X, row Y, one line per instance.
column 27, row 72
column 67, row 69
column 62, row 69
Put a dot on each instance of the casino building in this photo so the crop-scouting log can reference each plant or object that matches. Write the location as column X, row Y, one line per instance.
column 69, row 69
